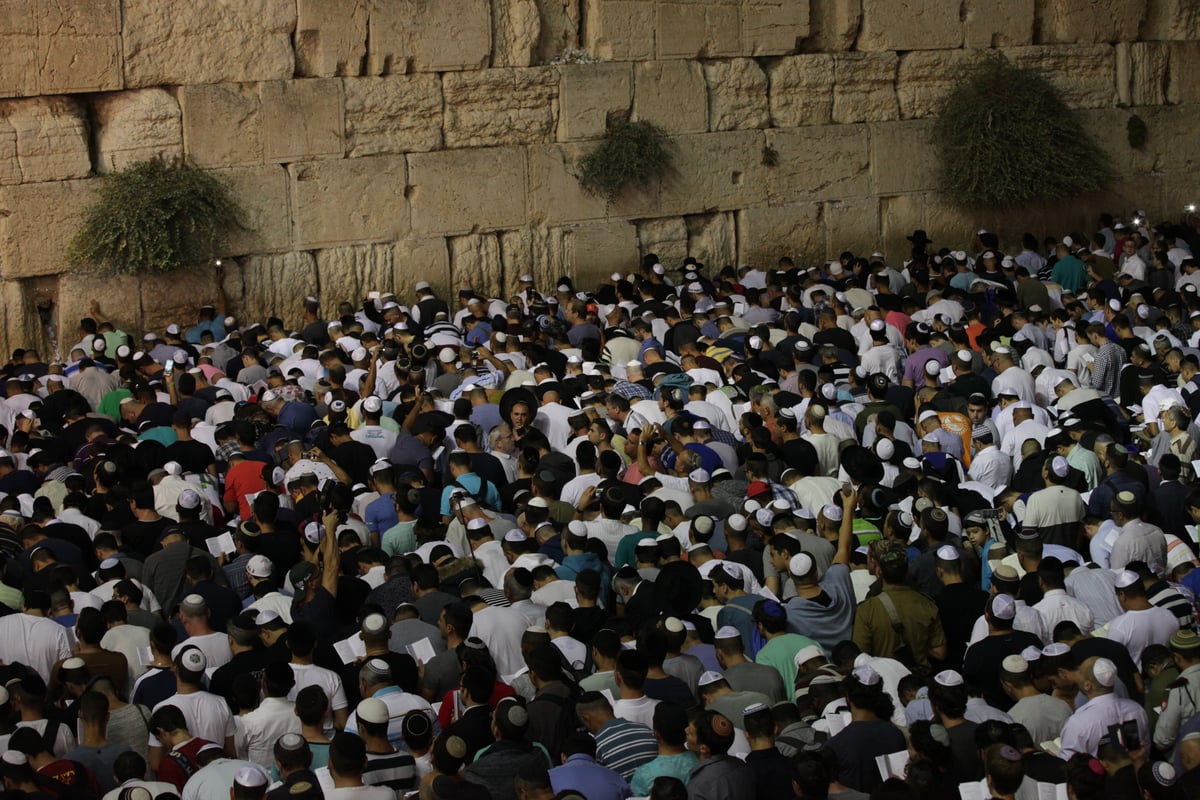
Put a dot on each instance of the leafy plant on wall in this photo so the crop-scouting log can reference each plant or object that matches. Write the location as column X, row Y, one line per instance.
column 155, row 216
column 1004, row 138
column 631, row 154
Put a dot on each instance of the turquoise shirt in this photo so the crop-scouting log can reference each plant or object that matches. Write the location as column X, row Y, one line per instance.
column 399, row 539
column 677, row 766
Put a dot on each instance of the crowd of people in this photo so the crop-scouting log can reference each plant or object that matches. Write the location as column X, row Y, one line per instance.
column 887, row 528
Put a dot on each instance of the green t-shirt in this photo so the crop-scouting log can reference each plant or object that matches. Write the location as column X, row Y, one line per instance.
column 780, row 653
column 676, row 766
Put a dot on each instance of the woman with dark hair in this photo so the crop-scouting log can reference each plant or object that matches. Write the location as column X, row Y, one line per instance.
column 870, row 732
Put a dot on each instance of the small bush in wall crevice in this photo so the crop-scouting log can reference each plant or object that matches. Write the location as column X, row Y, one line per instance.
column 631, row 154
column 1004, row 138
column 155, row 216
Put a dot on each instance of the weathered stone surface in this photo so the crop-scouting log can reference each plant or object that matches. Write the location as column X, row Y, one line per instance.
column 393, row 114
column 588, row 94
column 947, row 224
column 554, row 194
column 834, row 25
column 737, row 95
column 331, row 37
column 348, row 201
column 619, row 30
column 1184, row 84
column 911, row 25
column 78, row 46
column 475, row 262
column 594, row 251
column 222, row 125
column 712, row 239
column 1171, row 20
column 428, row 35
column 715, row 171
column 560, row 26
column 694, row 30
column 819, row 163
column 900, row 156
column 667, row 238
column 456, row 192
column 864, row 87
column 19, row 50
column 765, row 234
column 48, row 140
column 263, row 192
column 1142, row 72
column 138, row 125
column 207, row 41
column 516, row 29
column 1071, row 21
column 301, row 119
column 1084, row 73
column 801, row 91
column 119, row 298
column 852, row 225
column 924, row 78
column 37, row 221
column 899, row 217
column 422, row 259
column 175, row 296
column 1108, row 129
column 273, row 285
column 494, row 107
column 773, row 27
column 1171, row 136
column 348, row 273
column 671, row 94
column 534, row 250
column 988, row 24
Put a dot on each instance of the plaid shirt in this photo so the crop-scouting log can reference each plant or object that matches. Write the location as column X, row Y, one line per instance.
column 630, row 390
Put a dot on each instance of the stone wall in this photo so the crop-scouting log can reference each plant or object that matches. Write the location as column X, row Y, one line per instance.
column 374, row 143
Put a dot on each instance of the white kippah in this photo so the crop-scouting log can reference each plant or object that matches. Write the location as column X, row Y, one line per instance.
column 947, row 553
column 1105, row 672
column 948, row 677
column 1014, row 664
column 800, row 564
column 831, row 512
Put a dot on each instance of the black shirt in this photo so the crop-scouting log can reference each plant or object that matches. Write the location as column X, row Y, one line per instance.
column 959, row 605
column 195, row 457
column 982, row 663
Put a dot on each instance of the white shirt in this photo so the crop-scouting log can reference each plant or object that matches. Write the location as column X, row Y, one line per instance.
column 1138, row 629
column 1083, row 730
column 1016, row 380
column 215, row 647
column 36, row 642
column 207, row 715
column 495, row 565
column 378, row 438
column 640, row 710
column 311, row 675
column 501, row 630
column 1028, row 619
column 154, row 787
column 992, row 467
column 1057, row 606
column 274, row 717
column 399, row 703
column 129, row 641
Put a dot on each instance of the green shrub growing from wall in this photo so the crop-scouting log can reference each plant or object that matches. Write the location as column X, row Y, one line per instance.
column 155, row 216
column 1004, row 138
column 631, row 154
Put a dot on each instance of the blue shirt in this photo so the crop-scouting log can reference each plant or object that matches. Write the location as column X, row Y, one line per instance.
column 582, row 774
column 381, row 514
column 297, row 417
column 476, row 486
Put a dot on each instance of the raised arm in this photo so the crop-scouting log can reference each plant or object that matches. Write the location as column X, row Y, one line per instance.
column 846, row 535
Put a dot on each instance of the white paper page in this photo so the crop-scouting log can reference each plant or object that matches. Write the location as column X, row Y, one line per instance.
column 351, row 649
column 422, row 650
column 221, row 544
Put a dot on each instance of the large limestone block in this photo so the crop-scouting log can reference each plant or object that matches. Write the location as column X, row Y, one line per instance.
column 619, row 30
column 1071, row 21
column 716, row 171
column 222, row 124
column 852, row 225
column 694, row 30
column 924, row 78
column 428, row 35
column 78, row 46
column 588, row 95
column 301, row 119
column 207, row 41
column 331, row 37
column 1184, row 84
column 516, row 30
column 20, row 325
column 51, row 140
column 990, row 24
column 348, row 273
column 819, row 163
column 533, row 250
column 737, row 95
column 455, row 192
column 18, row 48
column 37, row 223
column 494, row 107
column 119, row 298
column 1142, row 73
column 801, row 90
column 393, row 114
column 555, row 196
column 1108, row 129
column 773, row 27
column 911, row 25
column 422, row 259
column 1171, row 137
column 833, row 25
column 864, row 87
column 137, row 125
column 173, row 297
column 666, row 237
column 263, row 193
column 901, row 156
column 951, row 226
column 712, row 239
column 765, row 234
column 1085, row 73
column 1171, row 20
column 594, row 251
column 899, row 217
column 475, row 263
column 559, row 29
column 349, row 201
column 273, row 285
column 671, row 94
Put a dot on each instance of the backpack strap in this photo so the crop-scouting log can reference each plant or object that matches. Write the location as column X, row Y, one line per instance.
column 890, row 608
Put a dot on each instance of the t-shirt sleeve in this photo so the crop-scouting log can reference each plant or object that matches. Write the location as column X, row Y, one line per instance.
column 338, row 701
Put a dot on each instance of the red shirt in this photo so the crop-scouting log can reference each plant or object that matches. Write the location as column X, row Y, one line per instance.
column 243, row 479
column 169, row 768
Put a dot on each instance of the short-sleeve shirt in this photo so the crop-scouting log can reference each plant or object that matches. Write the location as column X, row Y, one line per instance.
column 829, row 617
column 873, row 630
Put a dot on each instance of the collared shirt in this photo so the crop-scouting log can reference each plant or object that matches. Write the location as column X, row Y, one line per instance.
column 274, row 717
column 1083, row 730
column 1183, row 701
column 1057, row 606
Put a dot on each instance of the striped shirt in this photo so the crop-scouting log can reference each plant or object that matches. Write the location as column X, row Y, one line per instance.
column 393, row 770
column 623, row 746
column 1163, row 595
